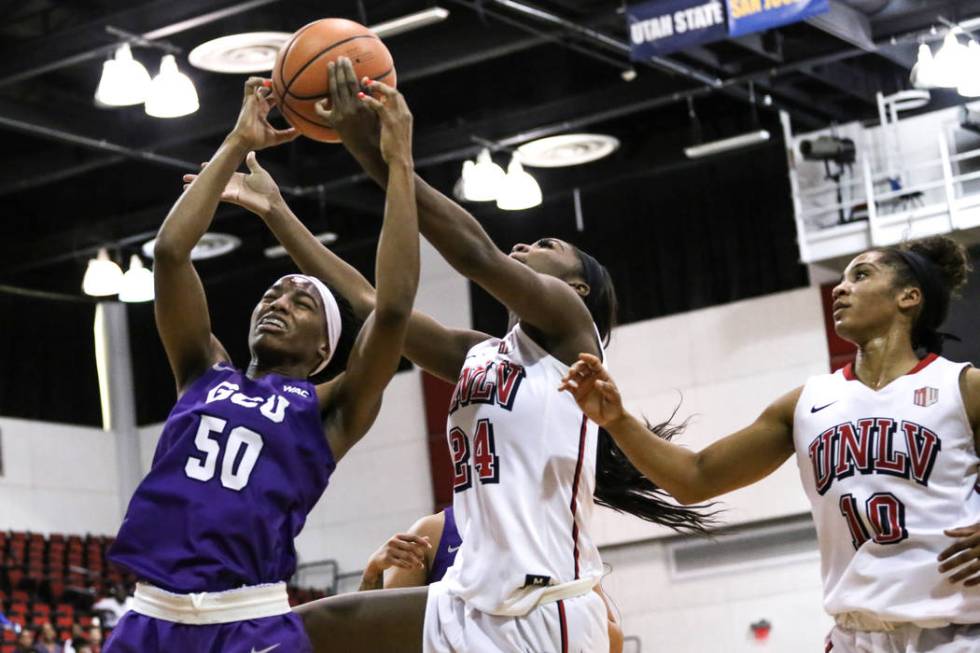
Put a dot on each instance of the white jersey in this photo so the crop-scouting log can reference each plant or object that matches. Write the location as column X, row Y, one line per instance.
column 523, row 475
column 886, row 472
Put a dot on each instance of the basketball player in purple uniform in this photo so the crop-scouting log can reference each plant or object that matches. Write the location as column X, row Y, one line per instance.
column 245, row 454
column 887, row 451
column 411, row 557
column 547, row 485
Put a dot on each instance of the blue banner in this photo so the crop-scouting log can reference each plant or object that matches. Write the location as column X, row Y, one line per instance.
column 747, row 16
column 663, row 26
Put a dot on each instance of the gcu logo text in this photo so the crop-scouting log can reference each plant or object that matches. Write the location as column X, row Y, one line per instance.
column 273, row 408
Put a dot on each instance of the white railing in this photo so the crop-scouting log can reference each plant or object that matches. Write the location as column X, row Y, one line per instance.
column 869, row 216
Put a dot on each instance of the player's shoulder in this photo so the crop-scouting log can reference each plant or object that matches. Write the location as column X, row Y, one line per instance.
column 430, row 526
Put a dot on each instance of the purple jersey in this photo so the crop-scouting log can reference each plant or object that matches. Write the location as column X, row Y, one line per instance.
column 448, row 546
column 239, row 465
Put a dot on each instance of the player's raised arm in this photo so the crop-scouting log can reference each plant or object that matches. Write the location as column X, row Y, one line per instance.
column 356, row 394
column 181, row 307
column 436, row 348
column 735, row 461
column 548, row 303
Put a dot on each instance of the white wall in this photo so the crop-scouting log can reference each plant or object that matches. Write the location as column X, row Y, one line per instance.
column 712, row 614
column 728, row 362
column 57, row 478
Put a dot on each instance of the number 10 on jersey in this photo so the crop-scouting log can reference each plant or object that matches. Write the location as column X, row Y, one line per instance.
column 486, row 463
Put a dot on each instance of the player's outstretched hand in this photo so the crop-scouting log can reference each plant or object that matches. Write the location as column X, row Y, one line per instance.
column 343, row 111
column 402, row 550
column 253, row 128
column 396, row 121
column 255, row 192
column 594, row 390
column 963, row 555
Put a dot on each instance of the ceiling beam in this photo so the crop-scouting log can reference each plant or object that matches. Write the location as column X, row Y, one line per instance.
column 154, row 20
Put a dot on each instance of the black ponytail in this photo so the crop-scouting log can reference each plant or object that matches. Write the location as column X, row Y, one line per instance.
column 620, row 486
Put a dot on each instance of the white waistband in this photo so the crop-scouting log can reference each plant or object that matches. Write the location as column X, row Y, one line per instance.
column 204, row 608
column 568, row 590
column 867, row 622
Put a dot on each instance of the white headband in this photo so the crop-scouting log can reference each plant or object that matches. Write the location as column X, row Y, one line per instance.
column 331, row 313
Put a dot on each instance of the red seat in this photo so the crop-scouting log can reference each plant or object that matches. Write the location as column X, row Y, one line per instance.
column 85, row 621
column 57, row 588
column 41, row 608
column 63, row 621
column 39, row 620
column 20, row 596
column 14, row 576
column 8, row 648
column 65, row 608
column 9, row 635
column 17, row 619
column 18, row 608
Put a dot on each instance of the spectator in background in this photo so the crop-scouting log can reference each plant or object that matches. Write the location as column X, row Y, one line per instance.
column 25, row 642
column 95, row 638
column 47, row 640
column 113, row 607
column 6, row 624
column 92, row 638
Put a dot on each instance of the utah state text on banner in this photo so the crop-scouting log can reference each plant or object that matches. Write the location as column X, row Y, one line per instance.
column 663, row 26
column 747, row 16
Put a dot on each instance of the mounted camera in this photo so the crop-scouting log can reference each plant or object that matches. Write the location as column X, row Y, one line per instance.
column 829, row 148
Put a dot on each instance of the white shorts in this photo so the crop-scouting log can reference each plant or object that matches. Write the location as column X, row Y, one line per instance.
column 576, row 625
column 956, row 638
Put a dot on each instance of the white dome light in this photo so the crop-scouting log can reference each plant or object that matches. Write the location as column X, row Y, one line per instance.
column 137, row 283
column 102, row 277
column 924, row 69
column 949, row 64
column 172, row 93
column 969, row 85
column 124, row 80
column 520, row 190
column 481, row 181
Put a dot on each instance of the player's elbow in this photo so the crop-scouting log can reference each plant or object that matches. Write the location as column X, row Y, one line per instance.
column 393, row 314
column 165, row 250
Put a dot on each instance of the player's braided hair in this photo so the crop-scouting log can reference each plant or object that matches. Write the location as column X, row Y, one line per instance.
column 938, row 266
column 620, row 486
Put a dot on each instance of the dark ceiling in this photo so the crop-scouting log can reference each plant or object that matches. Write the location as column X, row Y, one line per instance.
column 75, row 176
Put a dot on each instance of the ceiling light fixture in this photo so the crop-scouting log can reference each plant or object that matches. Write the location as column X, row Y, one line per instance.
column 482, row 180
column 137, row 283
column 949, row 64
column 211, row 245
column 124, row 80
column 278, row 251
column 255, row 52
column 969, row 84
column 171, row 93
column 410, row 22
column 727, row 144
column 567, row 150
column 102, row 276
column 519, row 190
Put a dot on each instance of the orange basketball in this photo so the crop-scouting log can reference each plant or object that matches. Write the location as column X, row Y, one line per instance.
column 299, row 78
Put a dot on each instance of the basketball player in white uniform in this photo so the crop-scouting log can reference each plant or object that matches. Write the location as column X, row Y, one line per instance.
column 524, row 455
column 887, row 451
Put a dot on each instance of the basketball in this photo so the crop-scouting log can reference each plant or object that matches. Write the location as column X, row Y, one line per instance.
column 300, row 77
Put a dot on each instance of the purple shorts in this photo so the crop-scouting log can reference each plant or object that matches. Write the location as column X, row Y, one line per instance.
column 137, row 633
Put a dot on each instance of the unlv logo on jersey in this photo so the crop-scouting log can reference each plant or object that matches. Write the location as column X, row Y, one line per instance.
column 495, row 382
column 868, row 447
column 926, row 396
